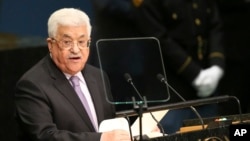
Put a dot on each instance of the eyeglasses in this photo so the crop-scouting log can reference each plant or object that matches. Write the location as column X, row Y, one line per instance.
column 68, row 43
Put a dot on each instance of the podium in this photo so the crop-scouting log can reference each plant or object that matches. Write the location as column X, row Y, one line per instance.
column 215, row 134
column 221, row 132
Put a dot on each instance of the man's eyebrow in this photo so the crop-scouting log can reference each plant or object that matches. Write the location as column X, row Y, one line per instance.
column 68, row 36
column 82, row 36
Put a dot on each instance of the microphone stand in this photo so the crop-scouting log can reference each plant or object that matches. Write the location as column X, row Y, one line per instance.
column 139, row 107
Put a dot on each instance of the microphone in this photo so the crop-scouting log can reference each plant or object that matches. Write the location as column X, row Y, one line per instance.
column 128, row 78
column 163, row 79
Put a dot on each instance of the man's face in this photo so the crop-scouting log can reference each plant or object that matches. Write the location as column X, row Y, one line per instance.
column 69, row 48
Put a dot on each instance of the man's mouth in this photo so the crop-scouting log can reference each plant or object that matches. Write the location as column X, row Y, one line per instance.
column 75, row 58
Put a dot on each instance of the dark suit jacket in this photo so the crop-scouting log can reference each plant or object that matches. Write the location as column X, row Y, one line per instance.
column 49, row 109
column 191, row 37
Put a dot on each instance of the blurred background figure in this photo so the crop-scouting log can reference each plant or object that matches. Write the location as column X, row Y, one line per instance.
column 191, row 36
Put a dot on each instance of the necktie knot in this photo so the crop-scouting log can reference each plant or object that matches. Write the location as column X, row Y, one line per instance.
column 75, row 81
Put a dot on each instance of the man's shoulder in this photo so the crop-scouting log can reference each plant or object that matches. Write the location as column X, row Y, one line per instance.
column 89, row 67
column 35, row 70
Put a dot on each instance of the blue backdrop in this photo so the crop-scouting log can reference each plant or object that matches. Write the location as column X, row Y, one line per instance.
column 29, row 17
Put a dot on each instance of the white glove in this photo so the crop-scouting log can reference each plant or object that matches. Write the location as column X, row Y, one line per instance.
column 207, row 80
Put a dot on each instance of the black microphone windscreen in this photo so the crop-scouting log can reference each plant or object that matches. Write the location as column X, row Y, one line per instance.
column 160, row 77
column 127, row 77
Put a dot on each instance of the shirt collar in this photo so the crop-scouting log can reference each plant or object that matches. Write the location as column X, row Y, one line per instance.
column 79, row 75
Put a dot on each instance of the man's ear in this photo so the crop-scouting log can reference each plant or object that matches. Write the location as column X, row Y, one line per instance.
column 49, row 43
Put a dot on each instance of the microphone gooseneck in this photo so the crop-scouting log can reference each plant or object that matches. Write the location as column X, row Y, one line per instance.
column 162, row 79
column 128, row 78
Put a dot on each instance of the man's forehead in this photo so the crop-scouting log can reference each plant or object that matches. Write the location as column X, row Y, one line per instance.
column 72, row 31
column 69, row 36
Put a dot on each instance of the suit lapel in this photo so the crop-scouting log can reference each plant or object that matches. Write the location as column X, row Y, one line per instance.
column 95, row 95
column 63, row 86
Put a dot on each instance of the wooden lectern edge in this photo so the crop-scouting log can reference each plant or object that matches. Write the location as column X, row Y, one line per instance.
column 191, row 128
column 196, row 127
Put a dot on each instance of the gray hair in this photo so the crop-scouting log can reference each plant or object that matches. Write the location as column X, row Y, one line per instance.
column 67, row 16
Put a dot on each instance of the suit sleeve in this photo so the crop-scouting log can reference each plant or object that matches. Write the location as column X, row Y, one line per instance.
column 216, row 40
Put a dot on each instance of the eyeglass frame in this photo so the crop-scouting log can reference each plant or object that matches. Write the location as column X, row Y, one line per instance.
column 71, row 44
